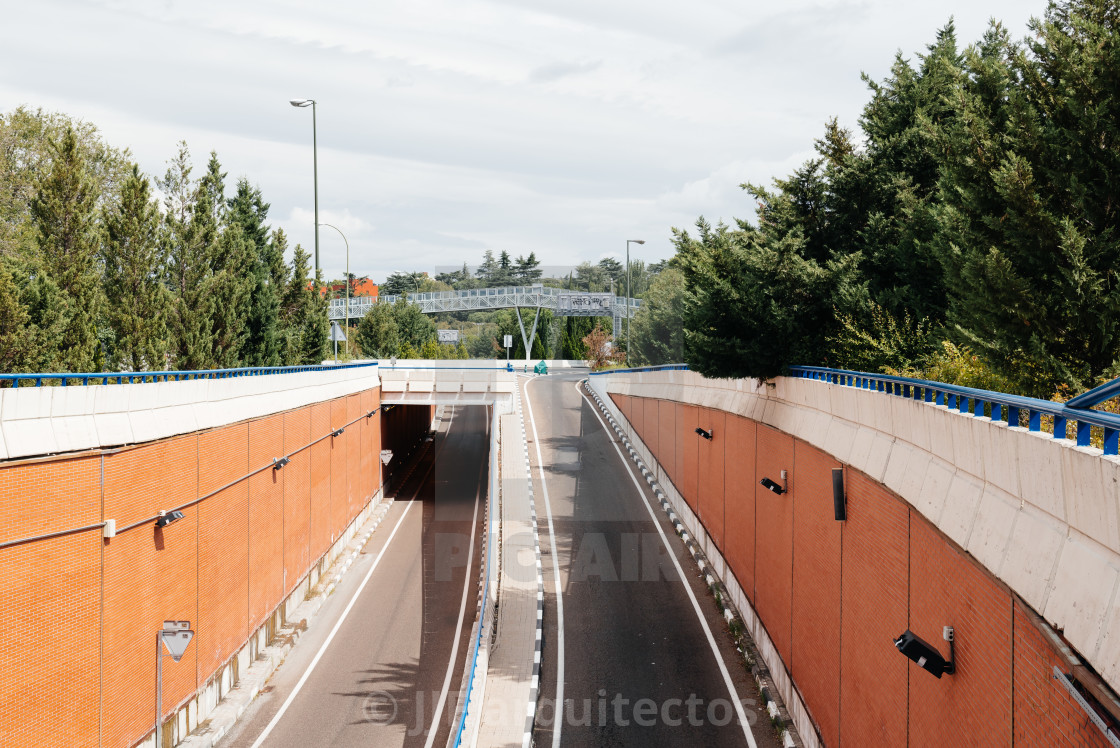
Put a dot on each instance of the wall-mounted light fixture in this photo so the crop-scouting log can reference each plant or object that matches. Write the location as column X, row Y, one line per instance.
column 277, row 464
column 370, row 414
column 926, row 655
column 339, row 432
column 778, row 488
column 839, row 500
column 166, row 518
column 704, row 433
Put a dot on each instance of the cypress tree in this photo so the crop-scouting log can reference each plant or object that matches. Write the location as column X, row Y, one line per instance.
column 188, row 234
column 64, row 211
column 137, row 303
column 248, row 211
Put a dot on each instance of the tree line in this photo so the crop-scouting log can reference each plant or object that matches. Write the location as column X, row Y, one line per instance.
column 968, row 232
column 97, row 275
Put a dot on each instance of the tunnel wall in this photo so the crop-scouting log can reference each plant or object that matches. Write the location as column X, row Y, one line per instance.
column 79, row 613
column 825, row 598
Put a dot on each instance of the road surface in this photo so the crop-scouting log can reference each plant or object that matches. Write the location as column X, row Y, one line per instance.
column 639, row 667
column 385, row 676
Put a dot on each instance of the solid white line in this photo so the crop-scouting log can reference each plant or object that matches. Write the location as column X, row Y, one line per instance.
column 687, row 587
column 330, row 637
column 557, row 723
column 458, row 626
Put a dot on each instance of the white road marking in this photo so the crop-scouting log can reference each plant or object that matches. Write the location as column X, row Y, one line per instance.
column 557, row 723
column 330, row 637
column 688, row 588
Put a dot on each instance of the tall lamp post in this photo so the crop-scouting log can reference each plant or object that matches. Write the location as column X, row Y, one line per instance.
column 314, row 165
column 628, row 243
column 336, row 228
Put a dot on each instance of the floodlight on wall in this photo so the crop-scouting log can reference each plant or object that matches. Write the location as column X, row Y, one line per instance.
column 278, row 464
column 704, row 433
column 839, row 500
column 339, row 432
column 370, row 414
column 166, row 518
column 925, row 655
column 778, row 488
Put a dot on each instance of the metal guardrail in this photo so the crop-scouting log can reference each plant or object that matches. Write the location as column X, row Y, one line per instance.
column 140, row 377
column 1002, row 408
column 640, row 369
column 487, row 570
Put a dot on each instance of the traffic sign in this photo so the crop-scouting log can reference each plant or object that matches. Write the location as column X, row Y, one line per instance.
column 176, row 642
column 337, row 335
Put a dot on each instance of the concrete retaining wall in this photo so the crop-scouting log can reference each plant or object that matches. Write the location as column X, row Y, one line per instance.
column 1037, row 513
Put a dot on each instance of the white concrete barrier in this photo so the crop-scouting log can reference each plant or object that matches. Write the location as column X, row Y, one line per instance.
column 1041, row 514
column 51, row 420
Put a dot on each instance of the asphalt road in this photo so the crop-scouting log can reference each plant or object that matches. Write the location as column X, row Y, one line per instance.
column 381, row 680
column 639, row 668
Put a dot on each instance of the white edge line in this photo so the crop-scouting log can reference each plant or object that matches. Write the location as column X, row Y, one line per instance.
column 557, row 723
column 684, row 581
column 330, row 637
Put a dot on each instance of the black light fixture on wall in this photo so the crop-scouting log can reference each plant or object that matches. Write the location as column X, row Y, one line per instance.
column 778, row 488
column 704, row 433
column 925, row 655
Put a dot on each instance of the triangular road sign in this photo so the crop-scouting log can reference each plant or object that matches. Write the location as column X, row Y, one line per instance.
column 337, row 335
column 176, row 642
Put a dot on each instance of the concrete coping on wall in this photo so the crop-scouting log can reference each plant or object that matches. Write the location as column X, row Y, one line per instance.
column 54, row 420
column 1041, row 514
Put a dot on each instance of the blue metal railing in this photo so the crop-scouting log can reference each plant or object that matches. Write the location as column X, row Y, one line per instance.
column 139, row 377
column 490, row 519
column 640, row 369
column 1003, row 408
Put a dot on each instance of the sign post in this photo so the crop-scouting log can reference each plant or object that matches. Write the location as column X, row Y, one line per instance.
column 508, row 343
column 175, row 636
column 336, row 335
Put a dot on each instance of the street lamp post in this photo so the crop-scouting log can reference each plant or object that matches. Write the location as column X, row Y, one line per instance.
column 628, row 243
column 347, row 327
column 314, row 165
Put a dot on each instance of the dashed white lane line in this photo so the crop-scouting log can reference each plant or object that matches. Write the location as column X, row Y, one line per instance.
column 558, row 723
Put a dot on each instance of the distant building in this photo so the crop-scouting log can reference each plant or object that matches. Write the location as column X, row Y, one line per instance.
column 359, row 287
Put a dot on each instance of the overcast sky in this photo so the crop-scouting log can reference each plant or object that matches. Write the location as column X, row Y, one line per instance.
column 447, row 127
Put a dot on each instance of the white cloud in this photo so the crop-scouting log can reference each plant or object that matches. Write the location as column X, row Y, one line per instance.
column 562, row 127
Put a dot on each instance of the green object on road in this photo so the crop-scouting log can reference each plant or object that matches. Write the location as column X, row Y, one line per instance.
column 541, row 368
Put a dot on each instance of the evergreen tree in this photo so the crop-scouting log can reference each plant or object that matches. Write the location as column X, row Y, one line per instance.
column 230, row 287
column 503, row 275
column 413, row 326
column 615, row 273
column 657, row 329
column 487, row 272
column 137, row 302
column 753, row 307
column 527, row 270
column 15, row 326
column 378, row 335
column 65, row 215
column 316, row 331
column 188, row 234
column 248, row 211
column 1028, row 229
